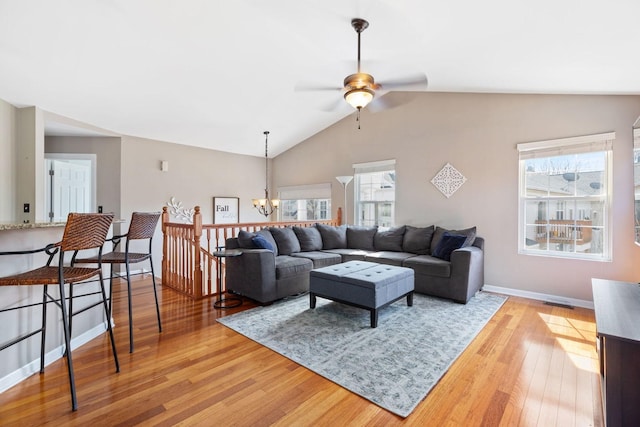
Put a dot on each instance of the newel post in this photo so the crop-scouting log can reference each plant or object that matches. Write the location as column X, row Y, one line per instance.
column 339, row 216
column 197, row 233
column 165, row 244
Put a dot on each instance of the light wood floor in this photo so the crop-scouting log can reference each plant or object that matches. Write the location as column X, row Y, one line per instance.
column 532, row 365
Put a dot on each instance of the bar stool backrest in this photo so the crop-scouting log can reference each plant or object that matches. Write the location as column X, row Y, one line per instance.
column 143, row 225
column 85, row 231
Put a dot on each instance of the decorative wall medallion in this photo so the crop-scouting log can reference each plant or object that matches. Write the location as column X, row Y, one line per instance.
column 179, row 212
column 448, row 180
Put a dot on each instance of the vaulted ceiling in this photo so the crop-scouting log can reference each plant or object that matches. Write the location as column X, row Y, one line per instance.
column 216, row 74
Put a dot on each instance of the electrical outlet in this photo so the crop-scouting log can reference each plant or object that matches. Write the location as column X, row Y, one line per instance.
column 26, row 208
column 99, row 209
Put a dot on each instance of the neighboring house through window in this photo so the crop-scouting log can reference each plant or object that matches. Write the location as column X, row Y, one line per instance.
column 565, row 197
column 375, row 193
column 305, row 202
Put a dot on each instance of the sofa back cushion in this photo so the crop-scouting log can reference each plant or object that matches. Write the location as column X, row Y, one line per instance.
column 286, row 240
column 469, row 233
column 389, row 240
column 333, row 237
column 417, row 240
column 361, row 237
column 309, row 238
column 246, row 240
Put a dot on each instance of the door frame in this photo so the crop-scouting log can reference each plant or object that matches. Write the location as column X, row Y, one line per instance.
column 70, row 156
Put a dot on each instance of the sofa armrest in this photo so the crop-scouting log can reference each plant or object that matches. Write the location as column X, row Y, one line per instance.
column 252, row 274
column 467, row 272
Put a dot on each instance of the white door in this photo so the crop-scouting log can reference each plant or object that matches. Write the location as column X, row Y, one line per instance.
column 69, row 187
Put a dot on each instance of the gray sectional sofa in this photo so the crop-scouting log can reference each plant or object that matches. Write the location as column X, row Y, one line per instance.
column 275, row 262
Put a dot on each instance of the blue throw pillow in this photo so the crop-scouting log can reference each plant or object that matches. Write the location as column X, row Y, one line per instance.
column 448, row 243
column 260, row 242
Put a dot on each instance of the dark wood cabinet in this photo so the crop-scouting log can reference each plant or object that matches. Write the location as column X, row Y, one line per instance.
column 617, row 310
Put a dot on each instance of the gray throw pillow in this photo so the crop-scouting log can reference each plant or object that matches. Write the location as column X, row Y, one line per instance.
column 417, row 240
column 286, row 240
column 245, row 239
column 333, row 237
column 469, row 233
column 361, row 238
column 309, row 238
column 389, row 240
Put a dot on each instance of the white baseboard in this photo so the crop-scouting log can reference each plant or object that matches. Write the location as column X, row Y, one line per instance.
column 540, row 297
column 33, row 367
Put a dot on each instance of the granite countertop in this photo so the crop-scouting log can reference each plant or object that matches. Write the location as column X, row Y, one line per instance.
column 29, row 225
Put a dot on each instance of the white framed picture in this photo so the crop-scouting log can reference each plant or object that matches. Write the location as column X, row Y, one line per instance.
column 226, row 210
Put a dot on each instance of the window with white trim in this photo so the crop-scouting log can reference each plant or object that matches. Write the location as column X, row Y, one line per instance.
column 305, row 202
column 565, row 197
column 375, row 193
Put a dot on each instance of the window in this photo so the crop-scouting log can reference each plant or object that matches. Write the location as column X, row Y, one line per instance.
column 565, row 196
column 375, row 193
column 305, row 202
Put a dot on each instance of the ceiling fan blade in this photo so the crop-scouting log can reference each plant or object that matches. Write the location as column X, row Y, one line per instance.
column 415, row 82
column 315, row 87
column 337, row 105
column 381, row 103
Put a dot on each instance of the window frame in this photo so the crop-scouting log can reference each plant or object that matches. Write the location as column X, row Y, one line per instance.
column 305, row 193
column 563, row 147
column 377, row 205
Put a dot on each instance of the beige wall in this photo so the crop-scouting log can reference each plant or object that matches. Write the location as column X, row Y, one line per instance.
column 194, row 178
column 8, row 183
column 477, row 134
column 29, row 163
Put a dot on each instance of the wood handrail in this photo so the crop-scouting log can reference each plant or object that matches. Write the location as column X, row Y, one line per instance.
column 188, row 264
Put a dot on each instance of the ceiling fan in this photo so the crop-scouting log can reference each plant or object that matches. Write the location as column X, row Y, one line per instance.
column 359, row 89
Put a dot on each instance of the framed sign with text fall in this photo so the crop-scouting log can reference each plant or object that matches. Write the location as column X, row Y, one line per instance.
column 226, row 210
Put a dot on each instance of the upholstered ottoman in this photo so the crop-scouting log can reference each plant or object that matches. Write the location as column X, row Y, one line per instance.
column 362, row 284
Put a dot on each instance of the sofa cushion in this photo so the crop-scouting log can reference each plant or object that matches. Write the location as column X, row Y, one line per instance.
column 333, row 237
column 245, row 240
column 389, row 240
column 309, row 238
column 320, row 258
column 388, row 257
column 361, row 237
column 288, row 266
column 286, row 240
column 417, row 240
column 260, row 242
column 350, row 254
column 428, row 266
column 448, row 243
column 470, row 234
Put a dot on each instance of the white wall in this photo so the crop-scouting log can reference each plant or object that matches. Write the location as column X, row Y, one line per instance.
column 477, row 134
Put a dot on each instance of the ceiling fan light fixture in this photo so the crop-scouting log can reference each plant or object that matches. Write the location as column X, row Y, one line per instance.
column 359, row 98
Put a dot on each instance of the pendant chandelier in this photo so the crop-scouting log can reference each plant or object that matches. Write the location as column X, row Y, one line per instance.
column 266, row 206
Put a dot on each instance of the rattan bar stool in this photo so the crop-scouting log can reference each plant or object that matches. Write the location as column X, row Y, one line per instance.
column 142, row 227
column 83, row 231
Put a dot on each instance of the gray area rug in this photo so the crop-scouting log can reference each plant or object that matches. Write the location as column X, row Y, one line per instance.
column 394, row 365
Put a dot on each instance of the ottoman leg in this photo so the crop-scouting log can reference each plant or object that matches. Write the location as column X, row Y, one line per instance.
column 374, row 317
column 312, row 300
column 410, row 299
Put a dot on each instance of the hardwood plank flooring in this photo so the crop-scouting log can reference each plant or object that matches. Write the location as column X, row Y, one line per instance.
column 532, row 365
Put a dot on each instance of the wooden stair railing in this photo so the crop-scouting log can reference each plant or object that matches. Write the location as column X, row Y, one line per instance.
column 188, row 265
